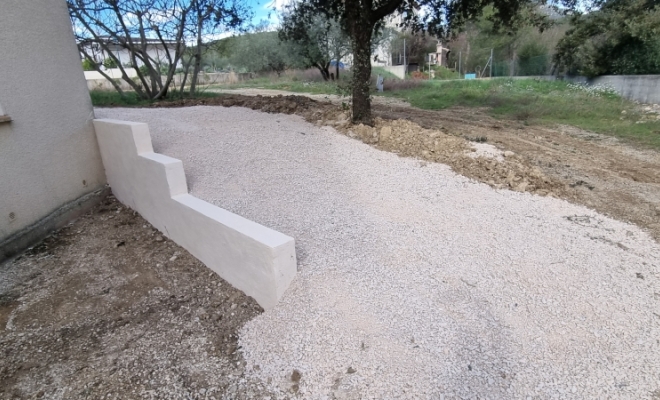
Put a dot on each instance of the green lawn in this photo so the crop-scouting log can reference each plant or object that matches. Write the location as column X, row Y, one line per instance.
column 540, row 102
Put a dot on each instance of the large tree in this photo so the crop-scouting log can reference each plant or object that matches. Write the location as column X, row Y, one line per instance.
column 621, row 37
column 262, row 52
column 361, row 19
column 318, row 39
column 137, row 26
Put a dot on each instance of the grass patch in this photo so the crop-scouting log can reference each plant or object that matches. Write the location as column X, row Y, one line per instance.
column 540, row 102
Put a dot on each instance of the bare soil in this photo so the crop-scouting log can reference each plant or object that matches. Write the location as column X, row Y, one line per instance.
column 107, row 306
column 598, row 171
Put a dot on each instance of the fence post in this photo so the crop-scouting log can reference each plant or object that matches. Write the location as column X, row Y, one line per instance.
column 491, row 63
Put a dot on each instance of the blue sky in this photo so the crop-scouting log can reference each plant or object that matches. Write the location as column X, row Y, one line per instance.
column 262, row 8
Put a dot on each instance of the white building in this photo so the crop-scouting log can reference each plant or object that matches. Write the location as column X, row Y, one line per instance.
column 440, row 56
column 156, row 50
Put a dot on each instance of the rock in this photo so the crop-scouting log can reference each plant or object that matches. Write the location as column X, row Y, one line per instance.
column 351, row 370
column 522, row 186
column 509, row 153
column 385, row 132
column 159, row 238
column 173, row 259
column 296, row 375
column 510, row 177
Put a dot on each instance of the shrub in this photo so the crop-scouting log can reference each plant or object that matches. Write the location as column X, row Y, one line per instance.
column 109, row 63
column 88, row 65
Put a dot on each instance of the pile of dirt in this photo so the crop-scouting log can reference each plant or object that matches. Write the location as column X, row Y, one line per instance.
column 109, row 308
column 277, row 104
column 408, row 139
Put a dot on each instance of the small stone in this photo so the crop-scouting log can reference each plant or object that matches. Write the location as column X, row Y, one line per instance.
column 509, row 153
column 159, row 238
column 522, row 186
column 173, row 259
column 385, row 132
column 233, row 306
column 350, row 370
column 296, row 375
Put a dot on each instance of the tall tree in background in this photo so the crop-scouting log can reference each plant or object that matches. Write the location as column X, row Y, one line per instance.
column 134, row 26
column 622, row 37
column 318, row 39
column 211, row 17
column 262, row 52
column 360, row 19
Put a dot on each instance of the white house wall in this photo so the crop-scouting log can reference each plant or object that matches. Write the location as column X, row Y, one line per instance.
column 48, row 152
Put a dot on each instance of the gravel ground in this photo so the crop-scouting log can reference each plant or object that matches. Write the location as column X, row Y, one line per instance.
column 415, row 282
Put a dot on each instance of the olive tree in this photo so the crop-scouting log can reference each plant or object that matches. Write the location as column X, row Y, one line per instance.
column 136, row 27
column 362, row 19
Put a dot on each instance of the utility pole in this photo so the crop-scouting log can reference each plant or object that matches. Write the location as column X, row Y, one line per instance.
column 429, row 67
column 460, row 59
column 491, row 63
column 405, row 64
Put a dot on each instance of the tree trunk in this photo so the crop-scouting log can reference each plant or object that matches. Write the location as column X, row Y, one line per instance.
column 198, row 55
column 362, row 74
column 325, row 72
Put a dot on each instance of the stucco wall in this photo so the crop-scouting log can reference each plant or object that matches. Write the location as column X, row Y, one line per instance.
column 398, row 70
column 642, row 88
column 48, row 153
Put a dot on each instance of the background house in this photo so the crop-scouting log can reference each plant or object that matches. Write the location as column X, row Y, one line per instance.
column 156, row 50
column 439, row 57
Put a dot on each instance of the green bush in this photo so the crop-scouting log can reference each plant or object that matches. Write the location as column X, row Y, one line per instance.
column 533, row 59
column 88, row 65
column 109, row 63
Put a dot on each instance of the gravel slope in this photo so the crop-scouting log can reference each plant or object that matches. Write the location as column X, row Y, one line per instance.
column 415, row 282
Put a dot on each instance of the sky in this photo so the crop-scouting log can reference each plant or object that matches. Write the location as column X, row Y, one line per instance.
column 264, row 10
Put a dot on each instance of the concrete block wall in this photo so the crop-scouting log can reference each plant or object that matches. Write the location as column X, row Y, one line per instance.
column 255, row 259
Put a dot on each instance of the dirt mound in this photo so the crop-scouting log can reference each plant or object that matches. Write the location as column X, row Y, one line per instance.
column 277, row 104
column 408, row 139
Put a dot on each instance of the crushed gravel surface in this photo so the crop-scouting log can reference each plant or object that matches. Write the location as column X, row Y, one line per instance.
column 415, row 282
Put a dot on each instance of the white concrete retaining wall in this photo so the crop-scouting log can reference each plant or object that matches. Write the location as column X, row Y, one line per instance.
column 114, row 73
column 257, row 260
column 96, row 81
column 398, row 70
column 641, row 88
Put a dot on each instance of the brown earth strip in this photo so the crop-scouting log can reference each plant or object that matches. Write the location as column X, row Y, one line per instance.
column 107, row 306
